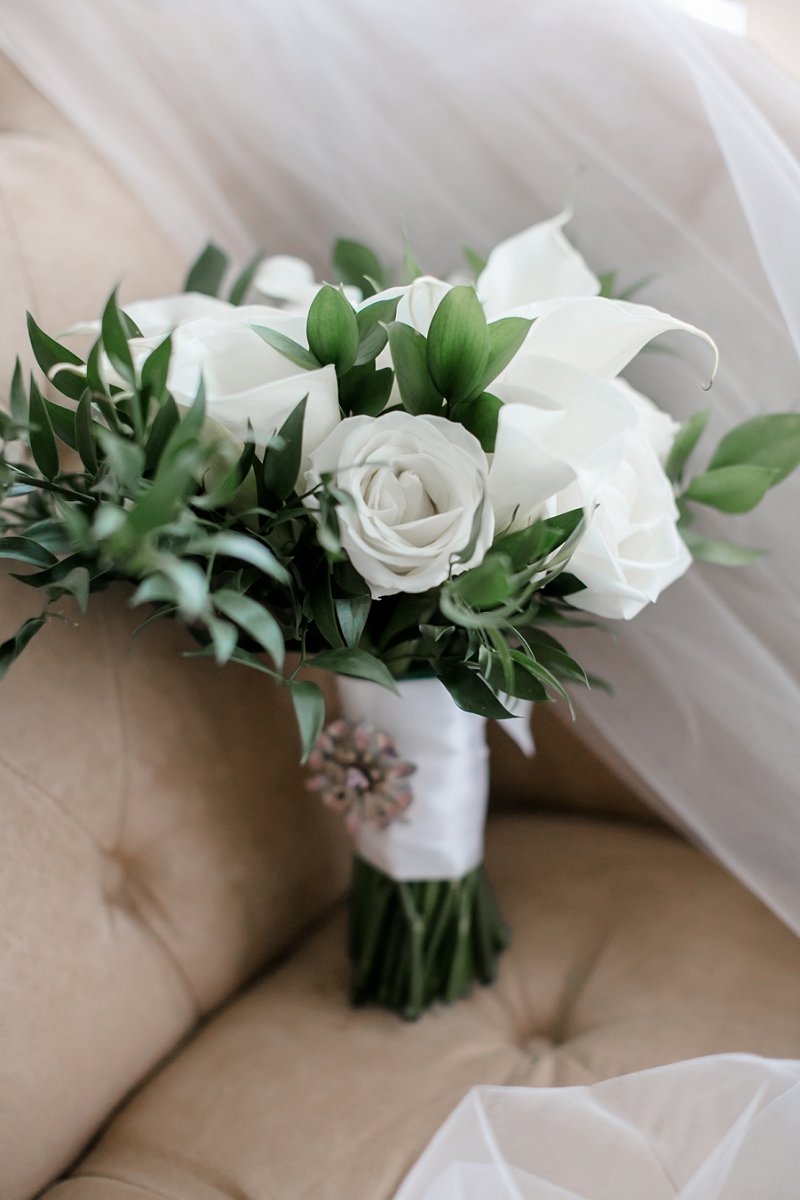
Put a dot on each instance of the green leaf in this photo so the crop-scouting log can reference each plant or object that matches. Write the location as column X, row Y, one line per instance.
column 63, row 422
column 256, row 621
column 53, row 573
column 50, row 534
column 686, row 439
column 371, row 394
column 545, row 676
column 207, row 271
column 458, row 344
column 115, row 341
column 26, row 550
column 85, row 433
column 42, row 439
column 534, row 543
column 11, row 649
column 372, row 335
column 358, row 266
column 288, row 348
column 524, row 685
column 486, row 585
column 75, row 583
column 94, row 375
column 358, row 663
column 245, row 549
column 18, row 403
column 321, row 607
column 551, row 655
column 309, row 709
column 465, row 554
column 282, row 465
column 160, row 504
column 131, row 329
column 224, row 638
column 49, row 353
column 188, row 432
column 607, row 283
column 167, row 420
column 505, row 339
column 721, row 554
column 732, row 489
column 470, row 692
column 220, row 494
column 475, row 262
column 188, row 587
column 352, row 613
column 156, row 368
column 409, row 356
column 771, row 441
column 332, row 329
column 479, row 415
column 411, row 268
column 241, row 285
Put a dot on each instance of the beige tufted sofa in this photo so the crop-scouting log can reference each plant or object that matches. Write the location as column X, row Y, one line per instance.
column 173, row 1021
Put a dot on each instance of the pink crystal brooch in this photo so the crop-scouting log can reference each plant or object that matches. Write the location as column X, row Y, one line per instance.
column 358, row 773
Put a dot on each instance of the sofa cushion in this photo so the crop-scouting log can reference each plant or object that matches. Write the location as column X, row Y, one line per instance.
column 630, row 950
column 156, row 848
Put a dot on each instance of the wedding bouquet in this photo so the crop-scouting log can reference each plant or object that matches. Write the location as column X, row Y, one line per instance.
column 416, row 487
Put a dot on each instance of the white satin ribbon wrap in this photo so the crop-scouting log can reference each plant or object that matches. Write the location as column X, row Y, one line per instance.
column 441, row 836
column 717, row 1128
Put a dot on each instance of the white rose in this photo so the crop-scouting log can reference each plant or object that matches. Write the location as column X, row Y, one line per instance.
column 632, row 549
column 659, row 427
column 417, row 484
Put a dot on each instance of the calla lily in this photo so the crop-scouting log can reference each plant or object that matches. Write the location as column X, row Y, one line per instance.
column 247, row 380
column 536, row 265
column 158, row 317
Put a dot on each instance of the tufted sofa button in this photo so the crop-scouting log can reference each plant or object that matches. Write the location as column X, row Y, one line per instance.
column 115, row 881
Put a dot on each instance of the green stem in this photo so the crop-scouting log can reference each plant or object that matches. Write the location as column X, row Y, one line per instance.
column 413, row 943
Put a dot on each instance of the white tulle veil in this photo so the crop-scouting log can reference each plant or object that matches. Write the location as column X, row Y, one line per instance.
column 459, row 122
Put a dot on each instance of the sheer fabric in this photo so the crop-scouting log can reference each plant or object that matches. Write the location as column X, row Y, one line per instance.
column 720, row 1128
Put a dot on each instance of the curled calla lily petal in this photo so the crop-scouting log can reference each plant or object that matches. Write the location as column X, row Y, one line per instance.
column 537, row 264
column 602, row 336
